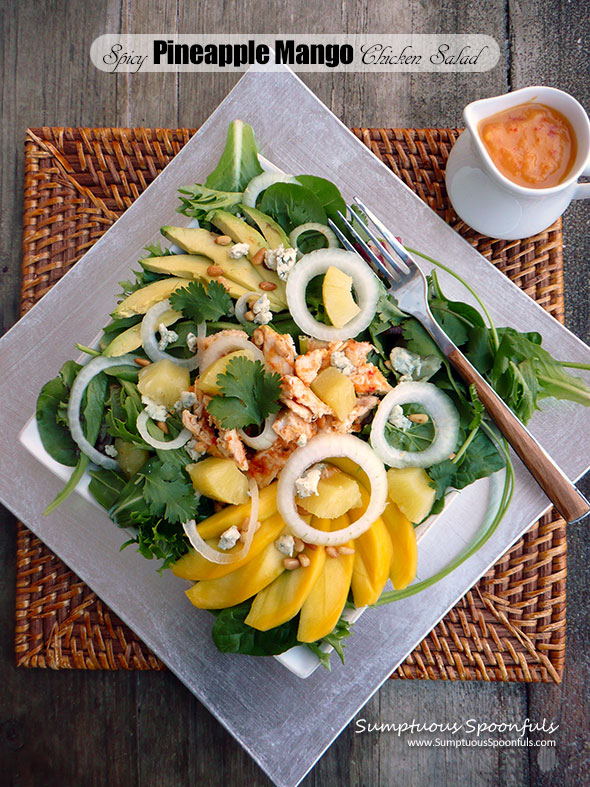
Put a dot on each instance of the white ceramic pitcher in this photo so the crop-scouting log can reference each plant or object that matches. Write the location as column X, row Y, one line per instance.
column 491, row 203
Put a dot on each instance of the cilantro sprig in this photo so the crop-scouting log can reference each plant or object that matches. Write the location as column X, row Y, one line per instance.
column 200, row 303
column 248, row 394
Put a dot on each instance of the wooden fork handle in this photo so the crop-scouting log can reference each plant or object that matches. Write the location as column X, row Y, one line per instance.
column 570, row 503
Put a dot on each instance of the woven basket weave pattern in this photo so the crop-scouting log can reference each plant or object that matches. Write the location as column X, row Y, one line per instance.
column 510, row 626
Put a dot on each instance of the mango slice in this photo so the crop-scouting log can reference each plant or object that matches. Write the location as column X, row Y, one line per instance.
column 219, row 479
column 194, row 566
column 282, row 600
column 372, row 559
column 239, row 585
column 409, row 488
column 213, row 526
column 323, row 607
column 405, row 548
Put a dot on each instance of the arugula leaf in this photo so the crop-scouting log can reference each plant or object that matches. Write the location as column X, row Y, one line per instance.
column 249, row 394
column 200, row 303
column 291, row 205
column 168, row 492
column 200, row 202
column 335, row 639
column 239, row 161
column 51, row 416
column 155, row 250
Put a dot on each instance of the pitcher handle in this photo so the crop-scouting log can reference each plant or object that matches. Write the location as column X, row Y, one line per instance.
column 582, row 190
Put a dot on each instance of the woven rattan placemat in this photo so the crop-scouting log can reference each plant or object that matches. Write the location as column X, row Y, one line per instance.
column 78, row 181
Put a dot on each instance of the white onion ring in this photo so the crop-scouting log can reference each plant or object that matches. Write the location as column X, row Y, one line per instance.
column 313, row 226
column 163, row 445
column 215, row 555
column 442, row 413
column 262, row 182
column 242, row 306
column 226, row 344
column 85, row 375
column 149, row 325
column 320, row 447
column 263, row 440
column 314, row 264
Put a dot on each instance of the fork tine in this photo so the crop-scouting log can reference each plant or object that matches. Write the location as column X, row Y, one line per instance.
column 341, row 236
column 397, row 264
column 378, row 265
column 406, row 259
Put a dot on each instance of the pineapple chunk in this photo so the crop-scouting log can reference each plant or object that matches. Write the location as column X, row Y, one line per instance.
column 404, row 562
column 337, row 296
column 336, row 495
column 220, row 480
column 336, row 390
column 130, row 457
column 208, row 379
column 163, row 382
column 409, row 488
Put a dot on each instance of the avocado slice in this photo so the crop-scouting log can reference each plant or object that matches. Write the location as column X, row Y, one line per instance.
column 143, row 299
column 273, row 232
column 189, row 266
column 239, row 231
column 130, row 340
column 196, row 240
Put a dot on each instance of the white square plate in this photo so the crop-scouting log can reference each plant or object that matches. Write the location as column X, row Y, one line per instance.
column 269, row 710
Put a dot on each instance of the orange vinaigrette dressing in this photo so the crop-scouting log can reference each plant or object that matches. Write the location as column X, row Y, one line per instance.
column 532, row 145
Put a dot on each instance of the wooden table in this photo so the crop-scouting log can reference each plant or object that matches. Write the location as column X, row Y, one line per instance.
column 78, row 728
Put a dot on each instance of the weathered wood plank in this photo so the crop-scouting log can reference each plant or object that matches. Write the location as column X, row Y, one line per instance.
column 550, row 47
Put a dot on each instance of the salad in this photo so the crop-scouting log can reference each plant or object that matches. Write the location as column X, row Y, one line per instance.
column 266, row 422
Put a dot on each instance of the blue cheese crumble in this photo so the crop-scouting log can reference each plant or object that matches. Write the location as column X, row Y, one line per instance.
column 239, row 250
column 280, row 260
column 398, row 419
column 229, row 538
column 285, row 544
column 191, row 449
column 307, row 484
column 191, row 342
column 155, row 411
column 166, row 337
column 261, row 310
column 110, row 450
column 339, row 361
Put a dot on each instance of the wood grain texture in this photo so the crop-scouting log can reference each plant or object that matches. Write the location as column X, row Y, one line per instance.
column 117, row 728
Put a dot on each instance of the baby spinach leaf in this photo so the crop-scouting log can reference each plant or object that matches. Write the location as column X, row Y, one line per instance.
column 106, row 486
column 239, row 161
column 327, row 193
column 55, row 436
column 232, row 635
column 291, row 205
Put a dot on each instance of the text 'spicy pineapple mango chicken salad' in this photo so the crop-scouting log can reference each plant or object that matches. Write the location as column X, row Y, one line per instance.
column 264, row 420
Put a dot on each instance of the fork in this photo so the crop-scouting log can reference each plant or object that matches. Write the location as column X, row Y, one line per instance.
column 407, row 283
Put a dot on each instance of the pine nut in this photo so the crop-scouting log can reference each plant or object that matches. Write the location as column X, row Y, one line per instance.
column 332, row 551
column 313, row 547
column 214, row 270
column 301, row 511
column 223, row 240
column 304, row 560
column 163, row 426
column 249, row 316
column 419, row 418
column 258, row 337
column 291, row 563
column 258, row 258
column 223, row 282
column 345, row 550
column 142, row 361
column 267, row 285
column 298, row 544
column 453, row 455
